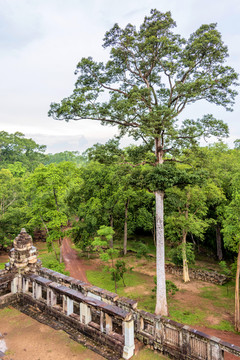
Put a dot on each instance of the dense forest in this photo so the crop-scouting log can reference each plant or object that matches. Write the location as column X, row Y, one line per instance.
column 111, row 186
column 109, row 191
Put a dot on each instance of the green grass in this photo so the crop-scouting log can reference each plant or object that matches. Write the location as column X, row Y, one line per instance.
column 185, row 316
column 220, row 296
column 2, row 266
column 147, row 354
column 224, row 325
column 103, row 280
column 49, row 261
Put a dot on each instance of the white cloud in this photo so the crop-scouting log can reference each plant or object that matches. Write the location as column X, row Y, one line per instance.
column 42, row 41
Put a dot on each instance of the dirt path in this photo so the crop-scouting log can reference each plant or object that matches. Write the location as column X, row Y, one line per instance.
column 73, row 263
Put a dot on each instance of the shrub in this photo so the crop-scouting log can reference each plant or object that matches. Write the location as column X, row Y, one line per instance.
column 171, row 288
column 142, row 250
column 176, row 254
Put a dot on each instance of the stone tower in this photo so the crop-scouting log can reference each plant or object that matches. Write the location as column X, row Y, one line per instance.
column 23, row 256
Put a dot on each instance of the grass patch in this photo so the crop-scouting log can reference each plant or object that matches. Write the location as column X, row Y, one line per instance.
column 224, row 325
column 186, row 316
column 49, row 261
column 9, row 312
column 147, row 303
column 220, row 296
column 103, row 280
column 2, row 266
column 147, row 354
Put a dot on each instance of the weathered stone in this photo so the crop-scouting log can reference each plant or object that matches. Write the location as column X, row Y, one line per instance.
column 209, row 276
column 23, row 256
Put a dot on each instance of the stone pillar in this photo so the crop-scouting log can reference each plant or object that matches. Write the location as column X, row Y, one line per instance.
column 34, row 289
column 69, row 306
column 48, row 297
column 38, row 291
column 64, row 304
column 108, row 324
column 85, row 314
column 102, row 322
column 25, row 285
column 129, row 347
column 215, row 350
column 14, row 285
column 51, row 298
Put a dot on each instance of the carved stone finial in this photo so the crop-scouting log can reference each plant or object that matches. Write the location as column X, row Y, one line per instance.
column 23, row 256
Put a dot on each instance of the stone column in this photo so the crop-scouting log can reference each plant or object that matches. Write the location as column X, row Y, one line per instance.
column 38, row 288
column 129, row 347
column 34, row 289
column 64, row 304
column 85, row 314
column 69, row 306
column 215, row 350
column 102, row 322
column 25, row 285
column 108, row 324
column 14, row 285
column 48, row 297
column 51, row 297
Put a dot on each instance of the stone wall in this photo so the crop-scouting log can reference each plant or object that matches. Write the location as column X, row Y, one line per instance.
column 104, row 315
column 209, row 276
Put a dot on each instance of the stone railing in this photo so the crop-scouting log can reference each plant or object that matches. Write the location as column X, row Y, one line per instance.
column 110, row 320
column 209, row 276
column 107, row 318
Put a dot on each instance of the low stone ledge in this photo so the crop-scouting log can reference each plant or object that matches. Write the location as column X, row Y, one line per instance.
column 127, row 303
column 212, row 277
column 8, row 299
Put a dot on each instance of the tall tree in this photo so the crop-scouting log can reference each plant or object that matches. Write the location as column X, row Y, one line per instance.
column 231, row 233
column 150, row 78
column 16, row 148
column 47, row 187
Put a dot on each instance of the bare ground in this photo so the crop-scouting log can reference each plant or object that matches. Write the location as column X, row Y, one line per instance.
column 27, row 339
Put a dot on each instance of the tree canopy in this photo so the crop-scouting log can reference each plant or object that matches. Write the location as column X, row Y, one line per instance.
column 151, row 76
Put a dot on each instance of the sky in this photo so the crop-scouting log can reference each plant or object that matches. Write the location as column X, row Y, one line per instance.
column 41, row 42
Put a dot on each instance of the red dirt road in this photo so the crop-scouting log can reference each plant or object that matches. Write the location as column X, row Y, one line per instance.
column 72, row 262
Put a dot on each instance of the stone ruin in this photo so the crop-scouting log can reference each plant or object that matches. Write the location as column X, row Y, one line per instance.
column 87, row 312
column 23, row 256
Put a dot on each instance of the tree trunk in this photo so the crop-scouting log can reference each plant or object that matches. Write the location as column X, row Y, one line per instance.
column 219, row 242
column 154, row 231
column 125, row 228
column 184, row 256
column 237, row 320
column 60, row 253
column 161, row 296
column 111, row 240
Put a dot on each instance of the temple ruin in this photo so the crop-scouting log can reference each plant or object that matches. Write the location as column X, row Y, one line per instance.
column 113, row 323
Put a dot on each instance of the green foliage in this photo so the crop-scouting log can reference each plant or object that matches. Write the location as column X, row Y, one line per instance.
column 121, row 269
column 70, row 156
column 104, row 280
column 49, row 261
column 225, row 269
column 176, row 254
column 105, row 154
column 171, row 288
column 142, row 250
column 16, row 148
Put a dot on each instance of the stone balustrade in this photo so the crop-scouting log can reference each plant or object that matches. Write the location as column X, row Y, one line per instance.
column 101, row 315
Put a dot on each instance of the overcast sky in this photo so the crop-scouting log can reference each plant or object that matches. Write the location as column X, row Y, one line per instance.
column 41, row 42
